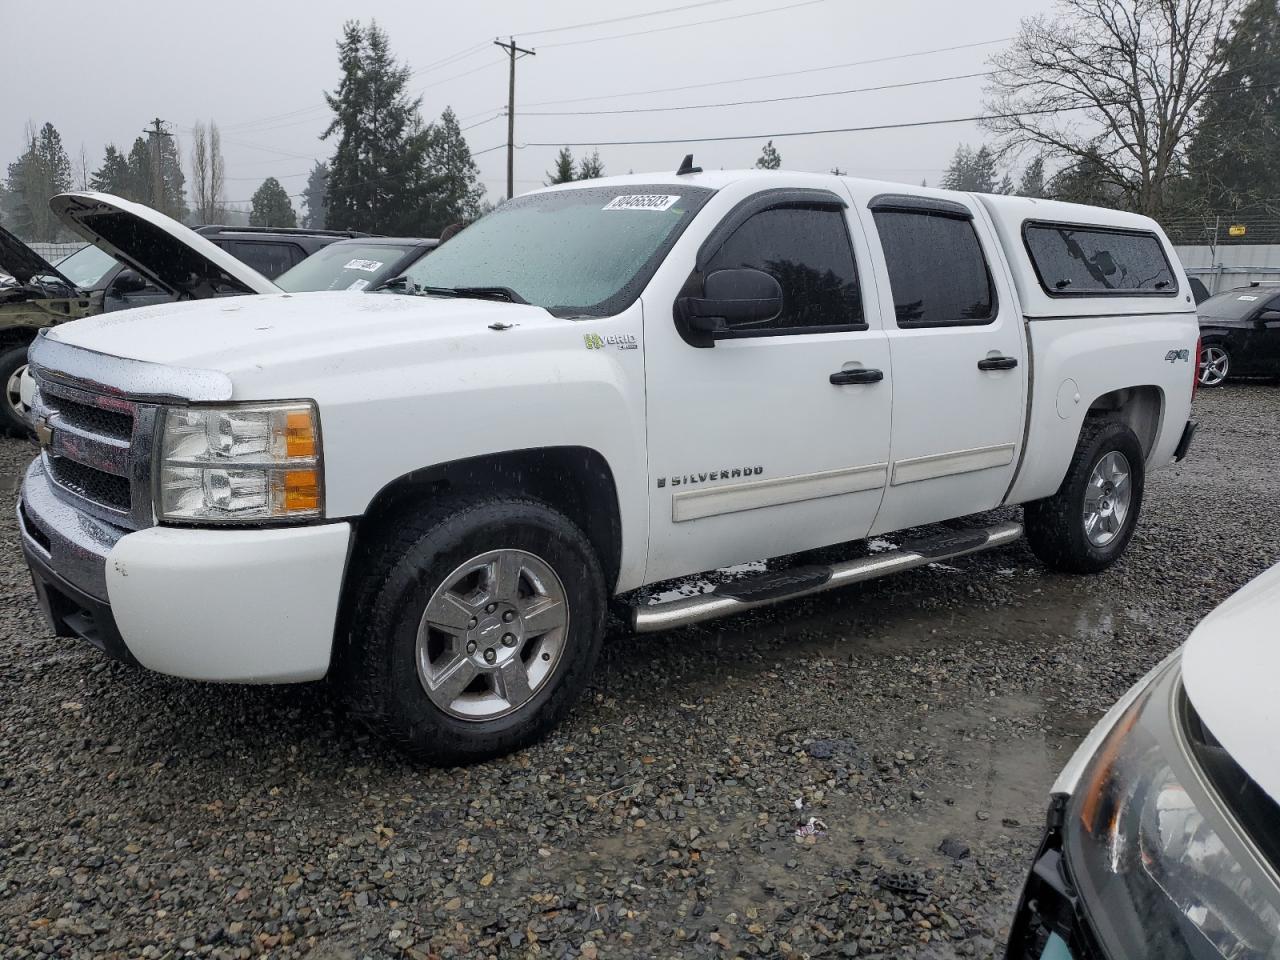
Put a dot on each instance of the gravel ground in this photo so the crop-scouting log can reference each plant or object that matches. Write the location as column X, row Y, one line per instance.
column 144, row 816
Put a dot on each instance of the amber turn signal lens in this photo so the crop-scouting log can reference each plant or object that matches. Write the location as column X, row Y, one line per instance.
column 301, row 491
column 299, row 434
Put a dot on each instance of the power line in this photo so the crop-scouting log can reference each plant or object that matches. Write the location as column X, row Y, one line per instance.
column 741, row 103
column 682, row 26
column 769, row 76
column 632, row 16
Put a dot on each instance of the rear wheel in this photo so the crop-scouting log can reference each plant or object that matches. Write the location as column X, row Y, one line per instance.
column 1215, row 364
column 474, row 629
column 1086, row 525
column 13, row 412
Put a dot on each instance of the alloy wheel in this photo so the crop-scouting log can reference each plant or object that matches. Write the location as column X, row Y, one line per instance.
column 492, row 634
column 1214, row 364
column 1107, row 498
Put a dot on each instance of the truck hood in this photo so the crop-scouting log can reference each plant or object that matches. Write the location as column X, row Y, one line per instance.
column 22, row 263
column 172, row 256
column 1229, row 668
column 272, row 338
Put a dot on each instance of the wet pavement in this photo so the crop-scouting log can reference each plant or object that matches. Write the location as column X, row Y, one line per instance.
column 778, row 784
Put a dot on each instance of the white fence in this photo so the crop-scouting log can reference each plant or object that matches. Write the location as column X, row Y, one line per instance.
column 1230, row 266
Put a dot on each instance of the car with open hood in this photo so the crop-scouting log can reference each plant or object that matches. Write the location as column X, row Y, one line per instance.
column 1163, row 833
column 137, row 257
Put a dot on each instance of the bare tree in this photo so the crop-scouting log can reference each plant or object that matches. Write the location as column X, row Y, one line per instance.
column 1116, row 86
column 83, row 173
column 206, row 172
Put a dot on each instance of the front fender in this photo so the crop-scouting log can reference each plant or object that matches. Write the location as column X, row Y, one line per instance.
column 548, row 386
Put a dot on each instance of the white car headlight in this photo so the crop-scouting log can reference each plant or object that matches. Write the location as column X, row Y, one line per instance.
column 252, row 463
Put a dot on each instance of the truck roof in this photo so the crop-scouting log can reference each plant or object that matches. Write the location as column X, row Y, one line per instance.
column 1008, row 214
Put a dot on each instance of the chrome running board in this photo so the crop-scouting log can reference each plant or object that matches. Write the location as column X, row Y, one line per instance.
column 738, row 595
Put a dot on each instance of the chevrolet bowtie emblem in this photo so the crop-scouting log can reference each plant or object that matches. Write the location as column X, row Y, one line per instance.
column 44, row 432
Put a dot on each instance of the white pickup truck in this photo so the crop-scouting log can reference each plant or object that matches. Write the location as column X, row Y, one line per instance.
column 432, row 495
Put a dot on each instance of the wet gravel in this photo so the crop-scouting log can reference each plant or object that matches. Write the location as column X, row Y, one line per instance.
column 858, row 774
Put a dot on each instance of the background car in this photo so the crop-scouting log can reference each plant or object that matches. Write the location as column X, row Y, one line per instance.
column 92, row 281
column 1240, row 334
column 1163, row 835
column 362, row 264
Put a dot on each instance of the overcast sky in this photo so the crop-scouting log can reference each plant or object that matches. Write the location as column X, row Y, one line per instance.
column 103, row 71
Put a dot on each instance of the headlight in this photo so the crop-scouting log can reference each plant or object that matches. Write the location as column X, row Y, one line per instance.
column 1162, row 870
column 240, row 463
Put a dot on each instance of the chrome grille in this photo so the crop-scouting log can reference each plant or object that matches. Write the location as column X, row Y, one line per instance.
column 97, row 449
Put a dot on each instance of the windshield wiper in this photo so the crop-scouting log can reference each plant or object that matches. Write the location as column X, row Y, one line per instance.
column 475, row 293
column 401, row 282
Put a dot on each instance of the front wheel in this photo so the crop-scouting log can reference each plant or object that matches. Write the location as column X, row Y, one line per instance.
column 1086, row 525
column 475, row 629
column 14, row 411
column 1215, row 365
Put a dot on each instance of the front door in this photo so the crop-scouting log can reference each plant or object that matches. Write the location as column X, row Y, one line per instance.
column 754, row 449
column 959, row 362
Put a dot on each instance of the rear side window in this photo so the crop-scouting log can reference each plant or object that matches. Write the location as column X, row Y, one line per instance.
column 937, row 273
column 1079, row 261
column 269, row 259
column 808, row 251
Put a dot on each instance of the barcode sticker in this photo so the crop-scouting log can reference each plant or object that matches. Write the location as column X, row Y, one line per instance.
column 641, row 201
column 368, row 266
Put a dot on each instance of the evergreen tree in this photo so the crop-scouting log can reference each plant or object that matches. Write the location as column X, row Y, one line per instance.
column 377, row 177
column 113, row 175
column 141, row 172
column 770, row 158
column 1006, row 186
column 973, row 171
column 454, row 190
column 564, row 170
column 315, row 197
column 1032, row 182
column 1231, row 162
column 591, row 167
column 43, row 170
column 271, row 206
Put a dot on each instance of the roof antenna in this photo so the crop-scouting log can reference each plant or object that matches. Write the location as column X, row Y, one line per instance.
column 686, row 166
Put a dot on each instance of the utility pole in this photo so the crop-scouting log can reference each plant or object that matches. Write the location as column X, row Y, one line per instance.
column 514, row 53
column 157, row 175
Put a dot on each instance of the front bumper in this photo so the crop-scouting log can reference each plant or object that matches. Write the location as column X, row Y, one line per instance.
column 246, row 606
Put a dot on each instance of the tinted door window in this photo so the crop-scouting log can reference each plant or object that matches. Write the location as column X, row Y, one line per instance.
column 1094, row 262
column 807, row 250
column 269, row 259
column 937, row 273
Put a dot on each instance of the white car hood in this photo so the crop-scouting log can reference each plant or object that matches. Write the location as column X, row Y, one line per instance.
column 256, row 340
column 174, row 257
column 1229, row 669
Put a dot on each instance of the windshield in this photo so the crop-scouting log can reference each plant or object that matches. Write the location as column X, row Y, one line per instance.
column 577, row 252
column 1235, row 304
column 345, row 266
column 86, row 267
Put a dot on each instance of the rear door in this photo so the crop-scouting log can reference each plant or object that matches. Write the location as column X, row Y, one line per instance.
column 774, row 440
column 959, row 359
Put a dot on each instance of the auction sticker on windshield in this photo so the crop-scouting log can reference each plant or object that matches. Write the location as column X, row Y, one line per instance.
column 641, row 201
column 369, row 266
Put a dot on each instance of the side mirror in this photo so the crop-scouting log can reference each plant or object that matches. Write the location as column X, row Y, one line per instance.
column 128, row 281
column 733, row 301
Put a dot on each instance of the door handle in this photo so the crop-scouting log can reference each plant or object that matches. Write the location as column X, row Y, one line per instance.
column 858, row 375
column 998, row 363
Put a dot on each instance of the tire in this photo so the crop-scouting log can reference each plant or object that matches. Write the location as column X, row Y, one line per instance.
column 1214, row 364
column 403, row 670
column 13, row 421
column 1057, row 526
